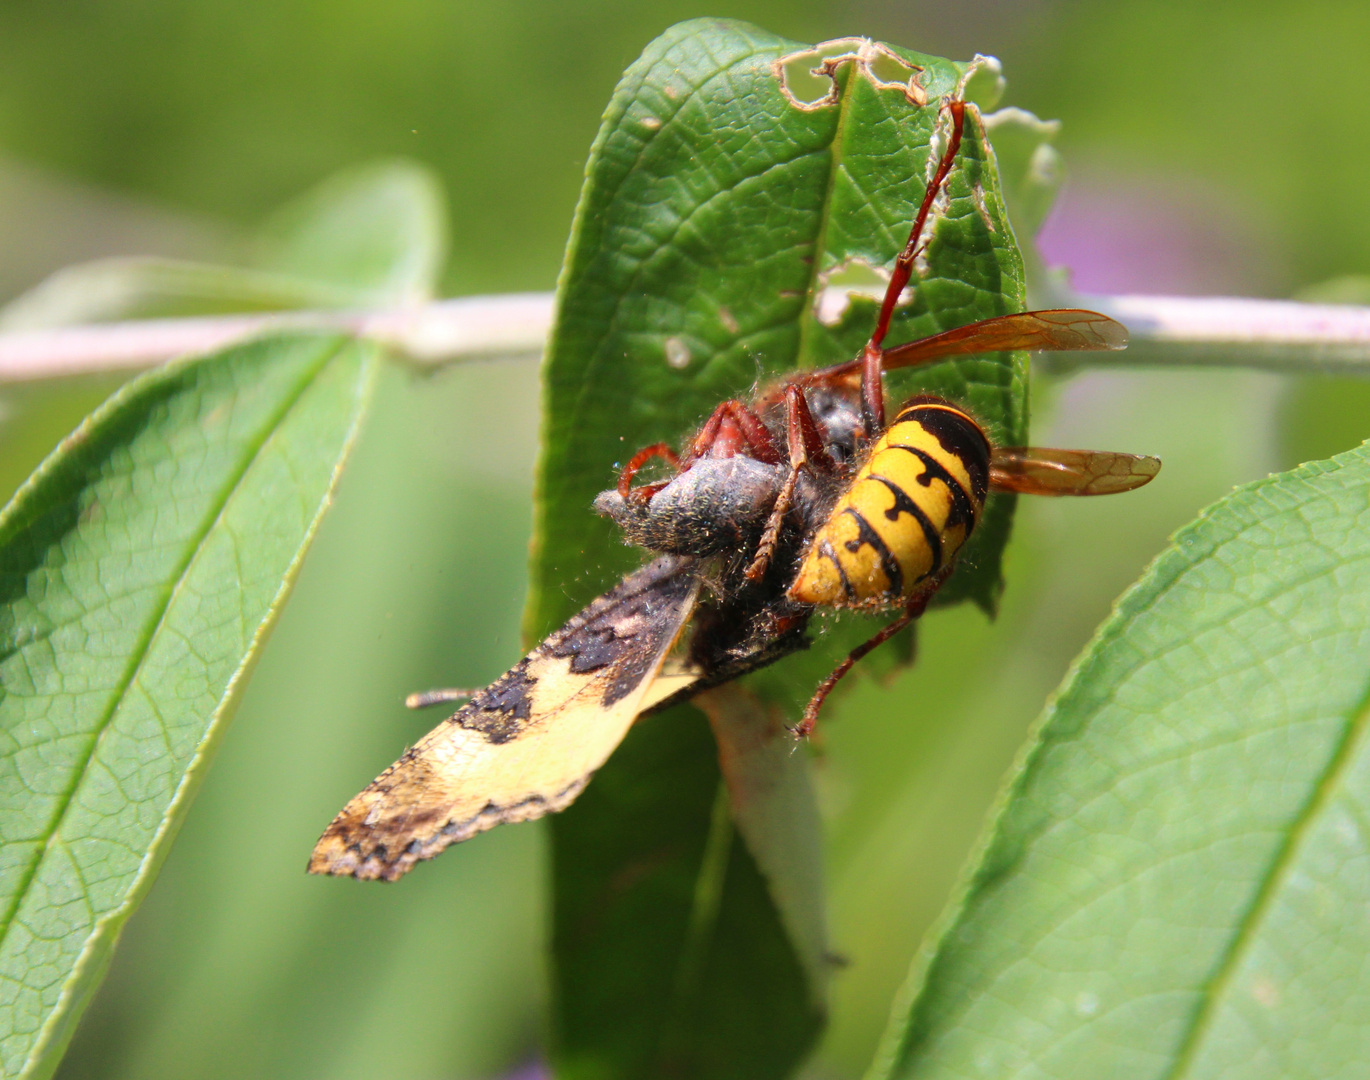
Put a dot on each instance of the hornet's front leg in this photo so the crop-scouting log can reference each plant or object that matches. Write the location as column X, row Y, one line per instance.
column 804, row 443
column 731, row 429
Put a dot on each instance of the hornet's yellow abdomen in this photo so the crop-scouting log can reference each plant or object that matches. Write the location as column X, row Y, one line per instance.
column 909, row 509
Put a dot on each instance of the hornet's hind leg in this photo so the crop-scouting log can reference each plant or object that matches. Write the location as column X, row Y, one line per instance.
column 915, row 608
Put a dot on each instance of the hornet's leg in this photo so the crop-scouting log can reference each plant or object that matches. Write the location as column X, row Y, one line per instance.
column 872, row 376
column 915, row 608
column 646, row 454
column 731, row 428
column 804, row 443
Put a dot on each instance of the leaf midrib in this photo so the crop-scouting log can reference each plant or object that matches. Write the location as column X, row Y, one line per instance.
column 1270, row 889
column 154, row 625
column 808, row 316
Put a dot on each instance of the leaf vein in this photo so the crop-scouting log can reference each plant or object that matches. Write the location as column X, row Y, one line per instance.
column 1268, row 891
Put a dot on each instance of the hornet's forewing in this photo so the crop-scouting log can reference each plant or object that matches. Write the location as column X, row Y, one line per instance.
column 527, row 744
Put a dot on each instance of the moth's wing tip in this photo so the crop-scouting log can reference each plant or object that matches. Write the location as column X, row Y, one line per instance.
column 330, row 859
column 349, row 848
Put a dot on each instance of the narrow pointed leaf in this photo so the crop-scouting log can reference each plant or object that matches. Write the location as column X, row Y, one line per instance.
column 368, row 237
column 376, row 234
column 142, row 566
column 1177, row 885
column 144, row 287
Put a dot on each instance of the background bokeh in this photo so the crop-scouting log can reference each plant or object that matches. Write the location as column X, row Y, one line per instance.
column 1213, row 148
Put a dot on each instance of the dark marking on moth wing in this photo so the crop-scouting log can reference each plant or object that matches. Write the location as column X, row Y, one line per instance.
column 867, row 535
column 627, row 628
column 366, row 857
column 502, row 709
column 623, row 631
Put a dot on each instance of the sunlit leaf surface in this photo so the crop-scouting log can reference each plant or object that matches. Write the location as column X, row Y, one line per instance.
column 1177, row 886
column 141, row 568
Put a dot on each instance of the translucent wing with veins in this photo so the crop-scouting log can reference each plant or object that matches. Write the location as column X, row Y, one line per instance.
column 1053, row 330
column 1041, row 470
column 1057, row 330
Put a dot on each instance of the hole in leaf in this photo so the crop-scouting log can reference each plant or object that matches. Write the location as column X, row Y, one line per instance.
column 808, row 78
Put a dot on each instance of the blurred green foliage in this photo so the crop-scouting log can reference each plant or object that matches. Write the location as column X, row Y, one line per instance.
column 229, row 108
column 239, row 965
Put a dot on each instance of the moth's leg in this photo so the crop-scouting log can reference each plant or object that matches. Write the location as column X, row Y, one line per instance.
column 915, row 608
column 804, row 443
column 425, row 698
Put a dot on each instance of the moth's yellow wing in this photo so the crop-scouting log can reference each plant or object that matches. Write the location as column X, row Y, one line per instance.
column 675, row 681
column 527, row 744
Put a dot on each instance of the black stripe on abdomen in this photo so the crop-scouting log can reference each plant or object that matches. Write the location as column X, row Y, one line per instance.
column 959, row 435
column 963, row 511
column 825, row 549
column 902, row 504
column 866, row 535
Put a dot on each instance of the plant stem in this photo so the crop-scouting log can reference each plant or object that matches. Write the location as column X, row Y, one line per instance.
column 470, row 327
column 1277, row 335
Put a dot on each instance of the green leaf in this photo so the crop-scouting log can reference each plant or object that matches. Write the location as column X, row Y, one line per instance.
column 139, row 287
column 670, row 956
column 1031, row 172
column 772, row 802
column 1030, row 169
column 142, row 567
column 1176, row 885
column 715, row 210
column 373, row 236
column 1346, row 289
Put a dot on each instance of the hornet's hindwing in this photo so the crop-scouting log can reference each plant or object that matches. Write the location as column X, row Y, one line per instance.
column 527, row 744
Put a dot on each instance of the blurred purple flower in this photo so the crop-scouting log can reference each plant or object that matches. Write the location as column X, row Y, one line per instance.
column 534, row 1070
column 1134, row 233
